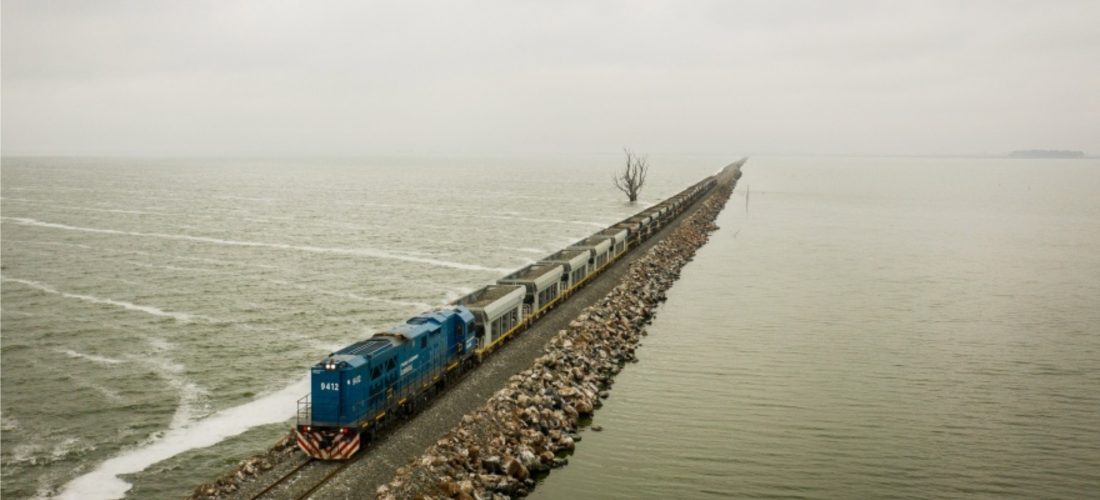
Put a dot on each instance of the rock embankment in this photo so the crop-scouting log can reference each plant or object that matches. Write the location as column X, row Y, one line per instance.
column 231, row 481
column 525, row 428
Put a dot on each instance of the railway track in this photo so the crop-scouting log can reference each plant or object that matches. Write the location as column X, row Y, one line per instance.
column 331, row 474
column 336, row 469
column 282, row 479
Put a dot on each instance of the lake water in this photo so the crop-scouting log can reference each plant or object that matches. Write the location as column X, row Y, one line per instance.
column 870, row 328
column 159, row 317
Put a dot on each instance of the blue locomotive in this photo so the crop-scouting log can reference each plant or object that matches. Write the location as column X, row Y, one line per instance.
column 352, row 389
column 359, row 389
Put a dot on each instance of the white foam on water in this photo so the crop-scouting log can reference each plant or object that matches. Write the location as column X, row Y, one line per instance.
column 178, row 269
column 8, row 423
column 190, row 394
column 360, row 252
column 87, row 209
column 103, row 360
column 528, row 250
column 99, row 300
column 104, row 481
column 52, row 243
column 45, row 453
column 108, row 393
column 27, row 453
column 68, row 446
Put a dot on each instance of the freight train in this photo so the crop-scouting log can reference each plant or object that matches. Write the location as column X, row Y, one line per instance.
column 363, row 387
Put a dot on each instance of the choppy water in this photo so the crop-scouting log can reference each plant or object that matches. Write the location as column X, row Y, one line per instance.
column 159, row 316
column 871, row 328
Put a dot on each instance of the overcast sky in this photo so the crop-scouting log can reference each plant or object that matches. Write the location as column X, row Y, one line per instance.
column 275, row 78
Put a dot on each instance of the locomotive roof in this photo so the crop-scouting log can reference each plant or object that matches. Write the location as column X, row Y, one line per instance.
column 358, row 353
column 414, row 327
column 425, row 322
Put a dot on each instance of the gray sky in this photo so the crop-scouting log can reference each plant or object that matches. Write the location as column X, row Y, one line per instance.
column 346, row 78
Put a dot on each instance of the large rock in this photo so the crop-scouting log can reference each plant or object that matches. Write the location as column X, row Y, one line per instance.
column 514, row 468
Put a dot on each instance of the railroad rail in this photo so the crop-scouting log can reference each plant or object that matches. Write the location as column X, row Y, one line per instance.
column 282, row 479
column 337, row 468
column 328, row 477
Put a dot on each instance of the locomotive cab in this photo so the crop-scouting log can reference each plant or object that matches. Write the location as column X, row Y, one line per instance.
column 336, row 383
column 336, row 386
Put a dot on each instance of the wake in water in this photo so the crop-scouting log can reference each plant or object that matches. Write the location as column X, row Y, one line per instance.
column 360, row 252
column 89, row 209
column 99, row 300
column 90, row 357
column 538, row 251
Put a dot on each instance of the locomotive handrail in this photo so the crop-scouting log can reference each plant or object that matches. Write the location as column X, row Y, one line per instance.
column 304, row 408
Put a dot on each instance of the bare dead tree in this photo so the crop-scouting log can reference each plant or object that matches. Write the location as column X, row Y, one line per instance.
column 631, row 178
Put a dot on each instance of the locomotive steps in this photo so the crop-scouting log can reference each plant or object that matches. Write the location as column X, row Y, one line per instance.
column 622, row 298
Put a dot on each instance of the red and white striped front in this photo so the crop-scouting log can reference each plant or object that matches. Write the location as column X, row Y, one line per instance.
column 342, row 446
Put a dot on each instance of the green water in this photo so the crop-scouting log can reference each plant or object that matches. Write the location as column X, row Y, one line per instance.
column 870, row 328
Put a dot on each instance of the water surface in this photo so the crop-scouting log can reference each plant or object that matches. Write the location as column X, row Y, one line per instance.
column 870, row 328
column 159, row 316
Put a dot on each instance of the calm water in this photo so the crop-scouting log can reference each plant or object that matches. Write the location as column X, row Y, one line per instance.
column 871, row 328
column 159, row 317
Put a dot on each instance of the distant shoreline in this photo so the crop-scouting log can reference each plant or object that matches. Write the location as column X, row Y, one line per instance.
column 1047, row 153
